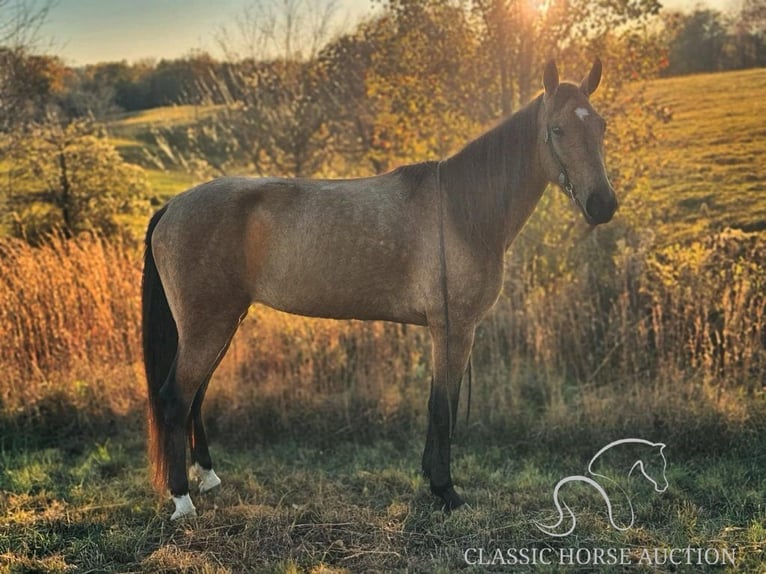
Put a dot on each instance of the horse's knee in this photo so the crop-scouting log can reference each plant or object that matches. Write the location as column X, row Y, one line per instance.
column 177, row 395
column 174, row 408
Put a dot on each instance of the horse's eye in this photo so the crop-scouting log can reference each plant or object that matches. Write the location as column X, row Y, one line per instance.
column 557, row 131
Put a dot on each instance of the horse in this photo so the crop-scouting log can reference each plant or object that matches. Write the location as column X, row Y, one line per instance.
column 423, row 244
column 652, row 464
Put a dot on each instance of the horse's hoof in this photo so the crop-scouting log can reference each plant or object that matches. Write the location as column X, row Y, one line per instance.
column 208, row 479
column 450, row 498
column 184, row 507
column 209, row 482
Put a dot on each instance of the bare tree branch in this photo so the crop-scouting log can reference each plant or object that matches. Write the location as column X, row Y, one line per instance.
column 280, row 29
column 20, row 21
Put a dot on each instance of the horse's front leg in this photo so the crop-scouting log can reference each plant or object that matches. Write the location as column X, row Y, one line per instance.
column 450, row 357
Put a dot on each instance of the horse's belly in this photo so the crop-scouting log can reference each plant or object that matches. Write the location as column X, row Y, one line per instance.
column 306, row 298
column 332, row 286
column 354, row 261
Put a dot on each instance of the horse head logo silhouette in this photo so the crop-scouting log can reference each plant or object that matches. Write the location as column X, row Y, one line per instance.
column 650, row 461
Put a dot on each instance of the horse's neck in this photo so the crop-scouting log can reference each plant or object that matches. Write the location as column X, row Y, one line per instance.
column 494, row 183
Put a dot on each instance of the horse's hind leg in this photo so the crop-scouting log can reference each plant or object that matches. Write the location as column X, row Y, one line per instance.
column 202, row 463
column 202, row 342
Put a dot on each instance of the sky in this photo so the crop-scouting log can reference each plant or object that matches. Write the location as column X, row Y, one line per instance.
column 90, row 31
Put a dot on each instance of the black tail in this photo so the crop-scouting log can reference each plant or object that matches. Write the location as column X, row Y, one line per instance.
column 160, row 340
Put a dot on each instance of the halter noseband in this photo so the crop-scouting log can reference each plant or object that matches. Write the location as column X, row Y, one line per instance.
column 564, row 182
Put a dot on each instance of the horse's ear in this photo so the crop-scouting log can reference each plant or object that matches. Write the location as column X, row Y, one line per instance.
column 550, row 79
column 592, row 80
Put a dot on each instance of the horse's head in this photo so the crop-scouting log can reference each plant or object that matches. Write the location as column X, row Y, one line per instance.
column 571, row 141
column 653, row 467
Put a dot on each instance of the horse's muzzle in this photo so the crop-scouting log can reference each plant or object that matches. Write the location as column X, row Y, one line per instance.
column 600, row 207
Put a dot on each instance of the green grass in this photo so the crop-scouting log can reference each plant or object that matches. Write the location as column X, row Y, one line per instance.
column 168, row 115
column 293, row 507
column 165, row 183
column 707, row 171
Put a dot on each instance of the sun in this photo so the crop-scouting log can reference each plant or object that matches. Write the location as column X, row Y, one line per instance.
column 538, row 6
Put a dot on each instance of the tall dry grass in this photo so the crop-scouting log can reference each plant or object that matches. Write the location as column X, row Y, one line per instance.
column 664, row 342
column 69, row 327
column 697, row 309
column 669, row 331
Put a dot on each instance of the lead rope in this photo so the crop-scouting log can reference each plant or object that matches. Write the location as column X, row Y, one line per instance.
column 470, row 384
column 445, row 293
column 445, row 301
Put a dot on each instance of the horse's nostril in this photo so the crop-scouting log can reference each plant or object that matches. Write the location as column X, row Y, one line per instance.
column 600, row 207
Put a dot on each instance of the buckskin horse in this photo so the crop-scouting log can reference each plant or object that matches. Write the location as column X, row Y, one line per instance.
column 423, row 244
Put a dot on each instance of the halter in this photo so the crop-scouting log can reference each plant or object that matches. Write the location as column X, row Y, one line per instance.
column 564, row 181
column 445, row 301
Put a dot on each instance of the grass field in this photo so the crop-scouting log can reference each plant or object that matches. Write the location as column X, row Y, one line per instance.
column 317, row 427
column 356, row 507
column 707, row 171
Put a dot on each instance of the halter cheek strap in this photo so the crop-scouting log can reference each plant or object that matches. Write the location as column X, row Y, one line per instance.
column 564, row 181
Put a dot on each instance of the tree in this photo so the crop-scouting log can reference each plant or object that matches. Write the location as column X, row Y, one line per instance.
column 29, row 85
column 280, row 30
column 282, row 120
column 20, row 21
column 25, row 80
column 274, row 119
column 345, row 63
column 414, row 82
column 508, row 33
column 750, row 34
column 180, row 80
column 696, row 41
column 83, row 97
column 410, row 78
column 518, row 36
column 70, row 179
column 280, row 112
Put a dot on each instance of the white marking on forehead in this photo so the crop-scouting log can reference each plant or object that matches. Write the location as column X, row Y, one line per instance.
column 582, row 113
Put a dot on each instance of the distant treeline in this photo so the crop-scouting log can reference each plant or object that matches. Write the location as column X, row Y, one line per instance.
column 144, row 85
column 707, row 40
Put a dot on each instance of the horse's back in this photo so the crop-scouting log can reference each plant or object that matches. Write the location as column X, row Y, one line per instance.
column 341, row 249
column 330, row 248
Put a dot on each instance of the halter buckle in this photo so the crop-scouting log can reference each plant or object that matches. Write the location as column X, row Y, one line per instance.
column 569, row 188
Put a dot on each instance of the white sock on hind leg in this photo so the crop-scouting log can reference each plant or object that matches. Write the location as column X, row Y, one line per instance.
column 184, row 507
column 208, row 479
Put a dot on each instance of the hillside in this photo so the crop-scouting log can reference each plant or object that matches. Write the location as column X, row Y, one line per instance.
column 707, row 170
